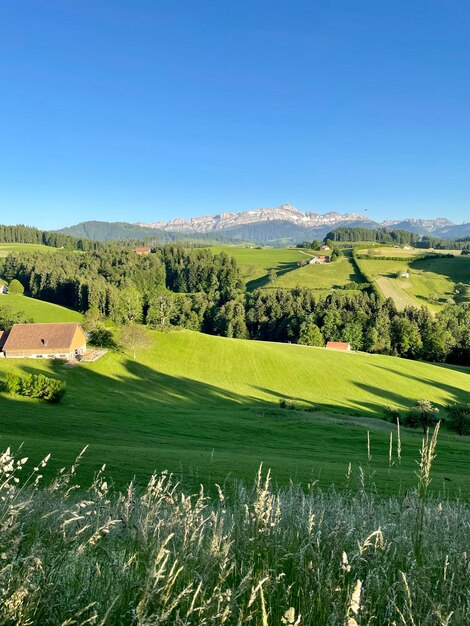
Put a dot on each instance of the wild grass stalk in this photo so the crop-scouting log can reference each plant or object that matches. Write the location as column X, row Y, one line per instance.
column 259, row 555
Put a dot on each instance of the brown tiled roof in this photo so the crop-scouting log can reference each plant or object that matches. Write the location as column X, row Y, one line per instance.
column 41, row 337
column 338, row 345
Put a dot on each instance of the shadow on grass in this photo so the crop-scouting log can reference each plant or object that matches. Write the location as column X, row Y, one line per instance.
column 456, row 269
column 281, row 268
column 137, row 419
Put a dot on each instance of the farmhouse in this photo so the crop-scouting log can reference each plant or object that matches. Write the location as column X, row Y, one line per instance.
column 319, row 259
column 44, row 341
column 145, row 250
column 338, row 345
column 404, row 275
column 3, row 289
column 325, row 247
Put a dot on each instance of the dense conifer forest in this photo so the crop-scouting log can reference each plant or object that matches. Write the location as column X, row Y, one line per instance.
column 385, row 236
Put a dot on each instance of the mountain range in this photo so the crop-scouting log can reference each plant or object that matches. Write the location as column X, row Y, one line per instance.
column 281, row 225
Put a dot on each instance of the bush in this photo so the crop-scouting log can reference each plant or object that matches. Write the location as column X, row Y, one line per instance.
column 12, row 383
column 459, row 418
column 392, row 414
column 422, row 415
column 287, row 404
column 35, row 386
column 102, row 337
column 15, row 287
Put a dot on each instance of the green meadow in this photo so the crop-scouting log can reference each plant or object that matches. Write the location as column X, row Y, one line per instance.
column 6, row 248
column 38, row 310
column 431, row 281
column 322, row 277
column 255, row 263
column 207, row 408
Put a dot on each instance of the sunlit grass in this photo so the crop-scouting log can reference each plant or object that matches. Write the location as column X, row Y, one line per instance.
column 240, row 554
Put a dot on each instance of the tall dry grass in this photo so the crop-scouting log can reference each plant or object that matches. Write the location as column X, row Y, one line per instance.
column 263, row 556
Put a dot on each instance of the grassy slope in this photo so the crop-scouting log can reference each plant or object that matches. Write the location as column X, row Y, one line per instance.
column 322, row 277
column 428, row 277
column 38, row 310
column 207, row 407
column 255, row 263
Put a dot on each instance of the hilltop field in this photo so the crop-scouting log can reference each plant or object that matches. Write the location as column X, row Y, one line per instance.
column 256, row 264
column 6, row 248
column 207, row 408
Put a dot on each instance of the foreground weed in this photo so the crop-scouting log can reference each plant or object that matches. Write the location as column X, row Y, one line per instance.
column 260, row 556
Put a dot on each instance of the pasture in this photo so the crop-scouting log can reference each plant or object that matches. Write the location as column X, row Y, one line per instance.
column 431, row 281
column 38, row 310
column 207, row 408
column 6, row 248
column 322, row 277
column 255, row 263
column 392, row 251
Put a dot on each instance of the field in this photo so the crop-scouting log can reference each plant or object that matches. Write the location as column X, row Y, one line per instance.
column 391, row 251
column 38, row 310
column 255, row 263
column 431, row 282
column 322, row 278
column 207, row 408
column 6, row 248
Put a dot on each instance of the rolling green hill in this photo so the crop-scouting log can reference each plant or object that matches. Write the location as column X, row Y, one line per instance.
column 38, row 310
column 321, row 278
column 207, row 407
column 255, row 263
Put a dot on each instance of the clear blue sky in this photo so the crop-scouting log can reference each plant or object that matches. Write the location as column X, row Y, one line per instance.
column 148, row 110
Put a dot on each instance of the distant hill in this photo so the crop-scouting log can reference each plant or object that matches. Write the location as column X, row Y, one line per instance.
column 114, row 231
column 124, row 231
column 454, row 231
column 273, row 226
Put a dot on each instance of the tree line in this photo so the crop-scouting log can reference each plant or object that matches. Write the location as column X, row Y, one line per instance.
column 27, row 234
column 395, row 237
column 378, row 235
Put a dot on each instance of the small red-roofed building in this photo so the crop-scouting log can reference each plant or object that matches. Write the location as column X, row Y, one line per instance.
column 339, row 345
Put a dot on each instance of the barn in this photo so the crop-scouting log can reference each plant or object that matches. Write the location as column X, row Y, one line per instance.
column 44, row 341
